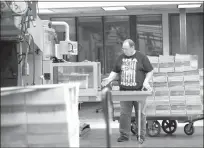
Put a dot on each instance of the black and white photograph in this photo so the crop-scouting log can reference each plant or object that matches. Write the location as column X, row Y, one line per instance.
column 101, row 74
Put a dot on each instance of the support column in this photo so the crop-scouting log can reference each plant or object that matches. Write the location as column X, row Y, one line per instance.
column 133, row 31
column 165, row 33
column 183, row 37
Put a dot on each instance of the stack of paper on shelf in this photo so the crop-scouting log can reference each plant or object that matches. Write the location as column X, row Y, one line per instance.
column 175, row 76
column 160, row 84
column 193, row 99
column 186, row 62
column 161, row 94
column 201, row 92
column 194, row 109
column 177, row 94
column 192, row 90
column 178, row 109
column 150, row 99
column 166, row 63
column 160, row 77
column 163, row 109
column 201, row 72
column 155, row 62
column 192, row 75
column 150, row 109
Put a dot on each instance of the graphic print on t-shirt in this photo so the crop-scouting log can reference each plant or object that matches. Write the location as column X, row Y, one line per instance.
column 128, row 72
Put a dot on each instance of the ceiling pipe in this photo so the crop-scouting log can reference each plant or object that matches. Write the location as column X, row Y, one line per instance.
column 56, row 23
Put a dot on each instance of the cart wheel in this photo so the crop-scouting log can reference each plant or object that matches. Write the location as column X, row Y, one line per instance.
column 154, row 129
column 134, row 128
column 189, row 131
column 169, row 126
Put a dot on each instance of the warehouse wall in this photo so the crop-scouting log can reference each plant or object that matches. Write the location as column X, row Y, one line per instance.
column 194, row 32
column 170, row 32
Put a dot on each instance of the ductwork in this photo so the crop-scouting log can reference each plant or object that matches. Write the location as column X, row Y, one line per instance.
column 66, row 28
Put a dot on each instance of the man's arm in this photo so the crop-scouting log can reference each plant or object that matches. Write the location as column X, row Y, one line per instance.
column 113, row 75
column 146, row 81
column 148, row 76
column 148, row 68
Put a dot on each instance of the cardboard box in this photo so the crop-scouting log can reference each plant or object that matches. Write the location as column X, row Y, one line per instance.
column 50, row 111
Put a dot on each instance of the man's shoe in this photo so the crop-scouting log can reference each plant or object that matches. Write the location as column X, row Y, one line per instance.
column 122, row 139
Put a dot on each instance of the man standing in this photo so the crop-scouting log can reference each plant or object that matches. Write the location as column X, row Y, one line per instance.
column 134, row 71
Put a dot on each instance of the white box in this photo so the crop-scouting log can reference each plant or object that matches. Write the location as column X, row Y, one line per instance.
column 45, row 106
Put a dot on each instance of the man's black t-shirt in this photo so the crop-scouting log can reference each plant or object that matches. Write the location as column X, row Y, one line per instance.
column 132, row 70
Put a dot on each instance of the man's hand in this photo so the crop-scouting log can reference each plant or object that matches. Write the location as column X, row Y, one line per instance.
column 105, row 82
column 147, row 86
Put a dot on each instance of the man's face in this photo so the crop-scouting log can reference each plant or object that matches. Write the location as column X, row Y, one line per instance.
column 128, row 51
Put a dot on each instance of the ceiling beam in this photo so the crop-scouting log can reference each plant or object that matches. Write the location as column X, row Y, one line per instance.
column 129, row 12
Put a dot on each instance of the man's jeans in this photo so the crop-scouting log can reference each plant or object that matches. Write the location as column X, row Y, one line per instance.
column 125, row 117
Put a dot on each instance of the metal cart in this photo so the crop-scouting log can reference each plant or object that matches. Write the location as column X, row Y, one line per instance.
column 169, row 124
column 109, row 96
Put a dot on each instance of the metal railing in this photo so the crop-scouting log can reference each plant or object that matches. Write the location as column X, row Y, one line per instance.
column 107, row 105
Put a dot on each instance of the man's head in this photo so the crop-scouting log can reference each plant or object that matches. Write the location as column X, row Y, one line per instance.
column 128, row 47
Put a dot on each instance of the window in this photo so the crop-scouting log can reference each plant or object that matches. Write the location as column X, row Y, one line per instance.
column 149, row 33
column 116, row 31
column 90, row 38
column 194, row 33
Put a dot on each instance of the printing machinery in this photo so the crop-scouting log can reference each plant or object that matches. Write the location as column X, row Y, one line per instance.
column 36, row 40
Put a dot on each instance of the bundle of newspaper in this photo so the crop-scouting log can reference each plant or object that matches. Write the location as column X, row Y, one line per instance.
column 155, row 62
column 166, row 63
column 185, row 62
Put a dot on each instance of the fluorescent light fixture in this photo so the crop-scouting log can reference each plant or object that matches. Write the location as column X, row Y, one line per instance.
column 64, row 4
column 45, row 11
column 190, row 6
column 113, row 8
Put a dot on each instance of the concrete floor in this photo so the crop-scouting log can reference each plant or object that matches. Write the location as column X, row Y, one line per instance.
column 97, row 136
